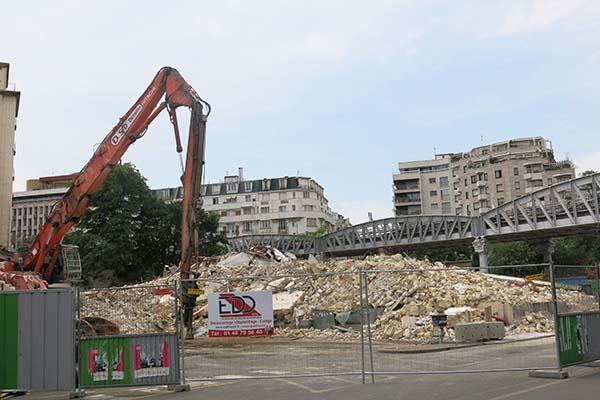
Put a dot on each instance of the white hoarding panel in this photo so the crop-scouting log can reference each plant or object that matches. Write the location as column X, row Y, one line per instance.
column 240, row 314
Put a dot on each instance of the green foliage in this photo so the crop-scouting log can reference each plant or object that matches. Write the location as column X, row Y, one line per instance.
column 514, row 253
column 577, row 250
column 319, row 232
column 128, row 235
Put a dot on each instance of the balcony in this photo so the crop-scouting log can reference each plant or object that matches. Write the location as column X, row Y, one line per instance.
column 533, row 176
column 481, row 184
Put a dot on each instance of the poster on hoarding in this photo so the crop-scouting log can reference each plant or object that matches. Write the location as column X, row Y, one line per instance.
column 105, row 361
column 578, row 333
column 240, row 314
column 151, row 359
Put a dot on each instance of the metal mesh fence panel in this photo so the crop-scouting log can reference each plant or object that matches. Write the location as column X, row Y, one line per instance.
column 489, row 322
column 317, row 320
column 127, row 311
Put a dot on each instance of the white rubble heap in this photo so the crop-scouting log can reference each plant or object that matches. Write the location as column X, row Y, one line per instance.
column 403, row 292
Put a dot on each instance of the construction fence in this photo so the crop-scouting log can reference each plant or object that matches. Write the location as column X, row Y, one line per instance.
column 397, row 321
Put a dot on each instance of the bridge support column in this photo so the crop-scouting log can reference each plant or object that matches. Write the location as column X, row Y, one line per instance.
column 480, row 246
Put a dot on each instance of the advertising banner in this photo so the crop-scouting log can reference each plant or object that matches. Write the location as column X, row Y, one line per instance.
column 240, row 314
column 103, row 362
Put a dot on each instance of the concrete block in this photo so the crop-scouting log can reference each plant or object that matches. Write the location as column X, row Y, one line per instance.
column 495, row 330
column 323, row 319
column 408, row 321
column 471, row 332
column 179, row 388
column 549, row 374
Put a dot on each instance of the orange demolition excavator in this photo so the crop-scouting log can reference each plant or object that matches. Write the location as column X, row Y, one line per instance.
column 43, row 256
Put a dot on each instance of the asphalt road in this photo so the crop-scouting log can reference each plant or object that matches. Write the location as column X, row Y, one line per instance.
column 280, row 360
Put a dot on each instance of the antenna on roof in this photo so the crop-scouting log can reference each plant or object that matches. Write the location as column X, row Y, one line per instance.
column 434, row 151
column 482, row 139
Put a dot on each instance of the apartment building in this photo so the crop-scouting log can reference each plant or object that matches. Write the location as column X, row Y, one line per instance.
column 9, row 110
column 29, row 212
column 476, row 181
column 31, row 207
column 284, row 205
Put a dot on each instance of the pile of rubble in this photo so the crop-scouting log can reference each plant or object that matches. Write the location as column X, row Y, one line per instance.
column 17, row 280
column 322, row 299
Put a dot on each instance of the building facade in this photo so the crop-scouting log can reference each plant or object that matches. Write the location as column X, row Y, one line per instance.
column 476, row 181
column 284, row 205
column 29, row 212
column 9, row 110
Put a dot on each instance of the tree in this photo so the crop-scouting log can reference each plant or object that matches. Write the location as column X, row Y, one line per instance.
column 128, row 235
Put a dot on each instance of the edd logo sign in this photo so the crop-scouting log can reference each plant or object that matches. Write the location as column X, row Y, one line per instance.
column 231, row 305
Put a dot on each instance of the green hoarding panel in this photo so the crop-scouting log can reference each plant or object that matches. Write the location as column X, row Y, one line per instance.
column 570, row 347
column 594, row 285
column 9, row 344
column 105, row 362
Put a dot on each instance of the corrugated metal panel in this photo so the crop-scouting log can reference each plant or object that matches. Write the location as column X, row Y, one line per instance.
column 8, row 341
column 131, row 360
column 46, row 340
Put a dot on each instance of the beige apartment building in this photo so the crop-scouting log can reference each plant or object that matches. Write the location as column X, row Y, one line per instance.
column 476, row 181
column 284, row 205
column 9, row 110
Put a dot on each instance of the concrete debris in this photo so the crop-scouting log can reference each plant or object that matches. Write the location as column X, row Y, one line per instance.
column 403, row 292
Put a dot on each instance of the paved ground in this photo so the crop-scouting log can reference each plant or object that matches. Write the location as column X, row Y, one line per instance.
column 291, row 357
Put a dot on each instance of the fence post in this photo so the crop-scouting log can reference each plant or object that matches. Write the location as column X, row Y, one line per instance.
column 598, row 284
column 77, row 391
column 362, row 324
column 555, row 309
column 366, row 285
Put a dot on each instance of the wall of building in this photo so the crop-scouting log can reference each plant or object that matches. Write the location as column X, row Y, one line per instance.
column 284, row 205
column 9, row 107
column 29, row 212
column 486, row 176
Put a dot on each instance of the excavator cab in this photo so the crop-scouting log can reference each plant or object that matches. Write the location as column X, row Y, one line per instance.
column 69, row 264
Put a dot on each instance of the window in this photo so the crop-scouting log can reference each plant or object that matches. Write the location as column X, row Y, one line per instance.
column 517, row 185
column 282, row 224
column 445, row 194
column 466, row 184
column 433, row 193
column 468, row 209
column 216, row 189
column 293, row 207
column 475, row 192
column 473, row 178
column 549, row 181
column 312, row 222
column 444, row 181
column 264, row 197
column 215, row 200
column 498, row 174
column 231, row 229
column 499, row 188
column 446, row 208
column 476, row 206
column 293, row 195
column 308, row 208
column 500, row 201
column 230, row 200
column 264, row 210
column 247, row 227
column 265, row 224
column 247, row 210
column 464, row 169
column 282, row 208
column 431, row 180
column 282, row 195
column 467, row 195
column 306, row 195
column 434, row 206
column 516, row 171
column 19, row 211
column 247, row 186
column 248, row 197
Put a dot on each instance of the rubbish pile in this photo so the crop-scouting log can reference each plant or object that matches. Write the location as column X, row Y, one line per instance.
column 322, row 299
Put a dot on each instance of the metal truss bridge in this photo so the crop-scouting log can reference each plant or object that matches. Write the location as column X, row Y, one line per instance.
column 567, row 208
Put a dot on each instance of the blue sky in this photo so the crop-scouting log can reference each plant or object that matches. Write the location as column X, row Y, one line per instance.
column 338, row 90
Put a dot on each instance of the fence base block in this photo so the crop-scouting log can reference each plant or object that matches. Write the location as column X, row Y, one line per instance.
column 549, row 374
column 77, row 394
column 179, row 388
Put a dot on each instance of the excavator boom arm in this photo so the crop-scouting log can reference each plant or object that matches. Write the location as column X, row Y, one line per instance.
column 43, row 253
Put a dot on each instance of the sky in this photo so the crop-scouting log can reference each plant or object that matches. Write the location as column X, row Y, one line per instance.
column 340, row 91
